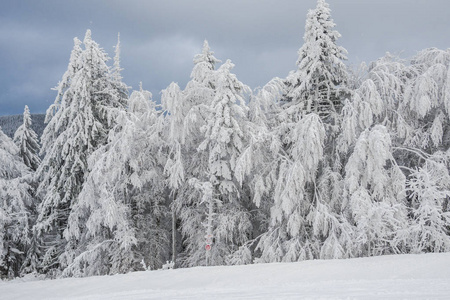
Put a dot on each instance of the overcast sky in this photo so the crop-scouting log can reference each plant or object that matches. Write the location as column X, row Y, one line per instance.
column 160, row 38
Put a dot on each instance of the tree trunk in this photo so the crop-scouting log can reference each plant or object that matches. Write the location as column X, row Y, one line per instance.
column 174, row 236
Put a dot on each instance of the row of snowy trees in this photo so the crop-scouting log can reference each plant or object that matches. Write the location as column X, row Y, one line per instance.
column 326, row 163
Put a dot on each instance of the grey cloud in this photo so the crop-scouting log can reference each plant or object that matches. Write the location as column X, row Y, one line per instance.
column 160, row 38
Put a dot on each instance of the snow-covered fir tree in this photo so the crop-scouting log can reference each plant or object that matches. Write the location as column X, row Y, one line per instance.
column 79, row 122
column 188, row 112
column 119, row 218
column 16, row 206
column 225, row 134
column 213, row 212
column 27, row 141
column 305, row 180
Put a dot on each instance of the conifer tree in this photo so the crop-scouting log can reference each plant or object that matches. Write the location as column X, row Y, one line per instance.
column 26, row 139
column 188, row 112
column 15, row 209
column 120, row 212
column 225, row 133
column 210, row 204
column 84, row 110
column 306, row 181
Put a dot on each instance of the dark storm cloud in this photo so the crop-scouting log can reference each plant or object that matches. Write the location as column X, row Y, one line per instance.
column 160, row 38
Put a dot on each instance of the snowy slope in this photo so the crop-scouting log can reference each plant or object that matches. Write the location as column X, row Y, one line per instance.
column 389, row 277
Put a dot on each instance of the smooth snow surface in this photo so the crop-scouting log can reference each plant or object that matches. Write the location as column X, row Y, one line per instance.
column 388, row 277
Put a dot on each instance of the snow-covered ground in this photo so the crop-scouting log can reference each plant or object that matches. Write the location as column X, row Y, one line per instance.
column 388, row 277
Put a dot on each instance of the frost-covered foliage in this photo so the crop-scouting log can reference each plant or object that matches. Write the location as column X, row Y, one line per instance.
column 374, row 195
column 300, row 216
column 15, row 209
column 427, row 99
column 78, row 123
column 430, row 192
column 27, row 141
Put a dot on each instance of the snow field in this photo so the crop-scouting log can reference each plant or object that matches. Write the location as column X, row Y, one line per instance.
column 424, row 276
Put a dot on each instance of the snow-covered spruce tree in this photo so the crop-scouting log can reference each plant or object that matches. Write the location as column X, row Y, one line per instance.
column 83, row 114
column 374, row 196
column 26, row 139
column 200, row 89
column 319, row 83
column 149, row 203
column 429, row 188
column 306, row 217
column 193, row 105
column 119, row 218
column 16, row 205
column 221, row 211
column 188, row 111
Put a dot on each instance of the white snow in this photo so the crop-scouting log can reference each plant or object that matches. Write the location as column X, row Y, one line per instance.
column 424, row 276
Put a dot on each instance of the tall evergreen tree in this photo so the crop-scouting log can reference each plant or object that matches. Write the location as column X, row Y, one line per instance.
column 26, row 139
column 119, row 216
column 228, row 219
column 306, row 218
column 15, row 209
column 188, row 112
column 86, row 105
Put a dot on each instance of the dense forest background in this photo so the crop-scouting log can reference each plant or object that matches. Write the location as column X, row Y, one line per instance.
column 329, row 162
column 9, row 124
